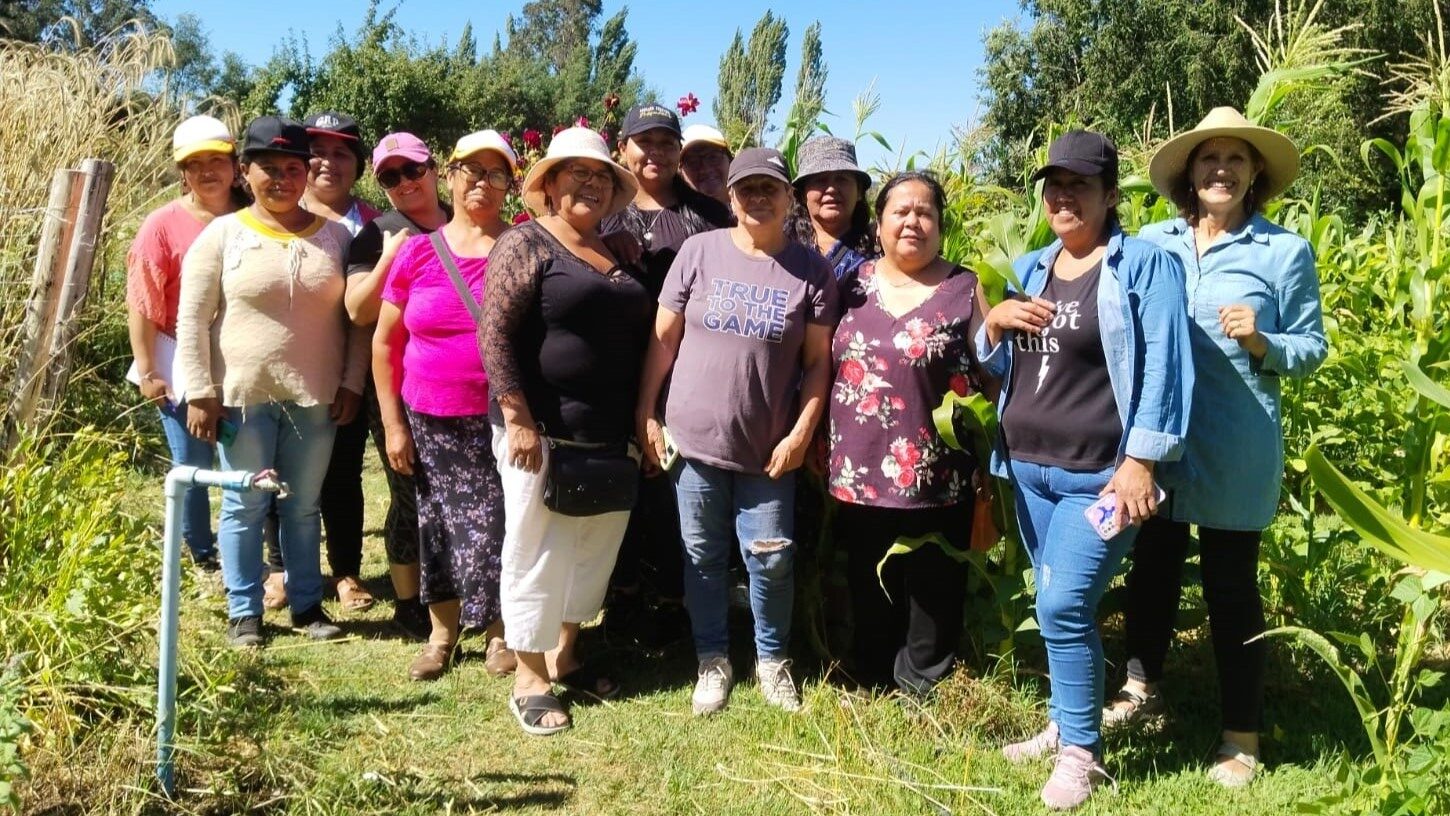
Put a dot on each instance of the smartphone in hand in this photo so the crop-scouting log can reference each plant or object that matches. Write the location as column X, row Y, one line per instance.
column 1103, row 514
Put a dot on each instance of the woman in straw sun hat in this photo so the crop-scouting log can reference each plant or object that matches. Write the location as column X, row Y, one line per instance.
column 564, row 331
column 1255, row 318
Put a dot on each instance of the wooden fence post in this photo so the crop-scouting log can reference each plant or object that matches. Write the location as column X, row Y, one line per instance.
column 58, row 287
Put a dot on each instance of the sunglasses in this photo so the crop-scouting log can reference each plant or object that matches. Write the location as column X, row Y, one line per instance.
column 393, row 176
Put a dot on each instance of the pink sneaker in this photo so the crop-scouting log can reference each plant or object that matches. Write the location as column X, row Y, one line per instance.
column 1073, row 778
column 1037, row 747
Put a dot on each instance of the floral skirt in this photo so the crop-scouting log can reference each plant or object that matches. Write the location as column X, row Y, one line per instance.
column 460, row 514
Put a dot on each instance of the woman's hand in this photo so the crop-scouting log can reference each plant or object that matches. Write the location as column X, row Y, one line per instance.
column 1137, row 495
column 652, row 439
column 154, row 389
column 1019, row 313
column 525, row 448
column 788, row 455
column 344, row 406
column 201, row 418
column 623, row 247
column 399, row 445
column 1239, row 323
column 393, row 241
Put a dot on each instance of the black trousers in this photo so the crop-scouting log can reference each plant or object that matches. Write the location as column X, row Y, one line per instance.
column 341, row 501
column 651, row 553
column 1229, row 561
column 910, row 638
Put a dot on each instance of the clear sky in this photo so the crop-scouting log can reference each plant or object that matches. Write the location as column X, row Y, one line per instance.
column 923, row 56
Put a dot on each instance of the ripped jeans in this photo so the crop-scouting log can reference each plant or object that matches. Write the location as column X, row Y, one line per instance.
column 1072, row 568
column 717, row 507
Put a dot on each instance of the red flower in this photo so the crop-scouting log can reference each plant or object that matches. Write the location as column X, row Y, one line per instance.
column 897, row 403
column 916, row 349
column 843, row 493
column 582, row 121
column 958, row 384
column 905, row 453
column 906, row 478
column 852, row 371
column 521, row 218
column 533, row 139
column 688, row 104
column 869, row 492
column 868, row 406
column 611, row 101
column 559, row 128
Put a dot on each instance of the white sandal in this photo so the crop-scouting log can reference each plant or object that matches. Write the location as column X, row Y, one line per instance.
column 1230, row 779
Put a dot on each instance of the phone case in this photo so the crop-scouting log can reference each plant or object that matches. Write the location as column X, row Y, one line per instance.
column 1103, row 515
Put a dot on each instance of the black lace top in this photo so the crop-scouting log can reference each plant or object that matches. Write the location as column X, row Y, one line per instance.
column 570, row 338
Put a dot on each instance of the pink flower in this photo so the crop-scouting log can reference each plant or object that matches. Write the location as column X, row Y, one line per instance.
column 852, row 371
column 688, row 104
column 906, row 453
column 959, row 384
column 611, row 101
column 521, row 218
column 868, row 406
column 869, row 492
column 916, row 349
column 843, row 493
column 906, row 478
column 919, row 328
column 878, row 363
column 533, row 139
column 897, row 403
column 582, row 121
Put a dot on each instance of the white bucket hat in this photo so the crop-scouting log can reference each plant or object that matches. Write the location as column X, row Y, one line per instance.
column 1281, row 157
column 577, row 143
column 200, row 134
column 485, row 140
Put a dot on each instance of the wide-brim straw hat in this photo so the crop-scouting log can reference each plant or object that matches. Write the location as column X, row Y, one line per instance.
column 1281, row 157
column 576, row 143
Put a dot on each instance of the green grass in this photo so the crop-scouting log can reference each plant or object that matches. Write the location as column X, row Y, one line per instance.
column 338, row 728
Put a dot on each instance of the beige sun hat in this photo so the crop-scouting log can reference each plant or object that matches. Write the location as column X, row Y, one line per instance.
column 576, row 143
column 1281, row 157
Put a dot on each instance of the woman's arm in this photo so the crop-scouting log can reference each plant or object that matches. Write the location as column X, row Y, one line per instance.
column 388, row 339
column 196, row 312
column 664, row 346
column 815, row 381
column 1300, row 346
column 514, row 273
column 142, row 333
column 365, row 290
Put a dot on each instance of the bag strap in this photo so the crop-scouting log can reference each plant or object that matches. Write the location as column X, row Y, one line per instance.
column 446, row 257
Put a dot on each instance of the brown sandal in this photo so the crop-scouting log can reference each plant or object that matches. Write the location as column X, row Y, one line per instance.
column 353, row 596
column 498, row 659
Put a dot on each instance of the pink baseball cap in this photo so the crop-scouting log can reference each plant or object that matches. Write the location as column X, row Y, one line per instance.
column 400, row 144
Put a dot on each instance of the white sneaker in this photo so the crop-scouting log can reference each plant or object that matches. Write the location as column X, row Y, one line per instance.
column 712, row 685
column 777, row 685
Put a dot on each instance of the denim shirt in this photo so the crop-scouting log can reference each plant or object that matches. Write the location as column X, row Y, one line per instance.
column 1144, row 330
column 1236, row 450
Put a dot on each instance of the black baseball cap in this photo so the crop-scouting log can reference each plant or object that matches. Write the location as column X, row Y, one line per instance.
column 332, row 123
column 274, row 134
column 1082, row 152
column 649, row 116
column 757, row 161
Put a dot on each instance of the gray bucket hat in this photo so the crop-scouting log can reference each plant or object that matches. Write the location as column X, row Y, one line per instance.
column 829, row 154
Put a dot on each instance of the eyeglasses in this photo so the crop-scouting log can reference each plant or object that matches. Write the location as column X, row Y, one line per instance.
column 474, row 172
column 393, row 176
column 582, row 175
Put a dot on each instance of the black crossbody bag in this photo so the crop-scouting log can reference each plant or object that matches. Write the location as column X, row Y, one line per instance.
column 582, row 479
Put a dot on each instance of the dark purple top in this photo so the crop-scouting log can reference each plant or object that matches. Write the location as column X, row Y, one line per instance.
column 890, row 372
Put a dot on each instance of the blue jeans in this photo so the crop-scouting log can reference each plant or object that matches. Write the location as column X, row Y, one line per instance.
column 297, row 443
column 717, row 507
column 188, row 450
column 1072, row 568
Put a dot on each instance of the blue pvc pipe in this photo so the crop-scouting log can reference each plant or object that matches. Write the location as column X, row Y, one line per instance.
column 178, row 481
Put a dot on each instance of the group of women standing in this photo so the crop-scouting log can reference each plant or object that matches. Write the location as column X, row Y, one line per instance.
column 623, row 389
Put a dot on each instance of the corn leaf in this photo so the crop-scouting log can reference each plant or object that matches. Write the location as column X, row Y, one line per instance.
column 1382, row 528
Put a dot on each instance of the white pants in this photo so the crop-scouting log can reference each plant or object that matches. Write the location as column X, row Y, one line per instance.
column 555, row 567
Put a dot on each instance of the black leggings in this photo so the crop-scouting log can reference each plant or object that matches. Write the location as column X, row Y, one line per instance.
column 909, row 639
column 1229, row 561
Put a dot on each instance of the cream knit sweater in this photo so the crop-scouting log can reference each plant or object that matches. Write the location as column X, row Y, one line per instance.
column 261, row 317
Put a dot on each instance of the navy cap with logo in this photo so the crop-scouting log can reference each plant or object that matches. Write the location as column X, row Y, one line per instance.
column 1082, row 152
column 273, row 134
column 757, row 161
column 649, row 117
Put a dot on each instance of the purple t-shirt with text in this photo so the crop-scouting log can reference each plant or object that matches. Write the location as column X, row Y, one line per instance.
column 732, row 394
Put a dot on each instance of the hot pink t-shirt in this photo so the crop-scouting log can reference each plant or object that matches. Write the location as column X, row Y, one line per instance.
column 442, row 369
column 153, row 264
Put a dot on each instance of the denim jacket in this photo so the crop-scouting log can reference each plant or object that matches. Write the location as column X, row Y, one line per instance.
column 1236, row 449
column 1144, row 330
